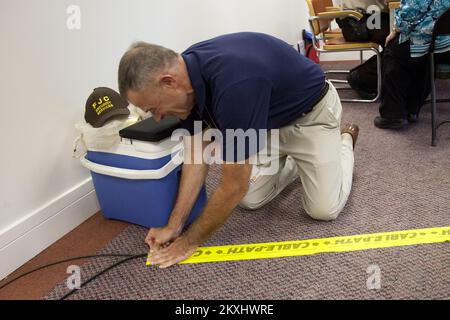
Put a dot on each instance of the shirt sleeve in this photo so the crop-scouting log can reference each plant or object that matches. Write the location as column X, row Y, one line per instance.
column 242, row 114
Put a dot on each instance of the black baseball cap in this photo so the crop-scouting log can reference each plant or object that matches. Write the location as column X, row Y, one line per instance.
column 104, row 104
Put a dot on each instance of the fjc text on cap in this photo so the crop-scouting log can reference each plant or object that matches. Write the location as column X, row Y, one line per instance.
column 104, row 104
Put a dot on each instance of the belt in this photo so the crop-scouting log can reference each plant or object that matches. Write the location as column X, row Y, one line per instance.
column 323, row 93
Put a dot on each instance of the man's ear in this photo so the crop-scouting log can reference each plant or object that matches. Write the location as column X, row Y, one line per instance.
column 168, row 81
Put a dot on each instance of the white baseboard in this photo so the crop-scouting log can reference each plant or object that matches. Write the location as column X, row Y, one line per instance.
column 31, row 235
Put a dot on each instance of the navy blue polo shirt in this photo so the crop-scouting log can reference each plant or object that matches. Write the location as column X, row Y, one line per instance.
column 249, row 81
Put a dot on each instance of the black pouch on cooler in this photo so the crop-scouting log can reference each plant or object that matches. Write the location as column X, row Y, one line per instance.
column 150, row 130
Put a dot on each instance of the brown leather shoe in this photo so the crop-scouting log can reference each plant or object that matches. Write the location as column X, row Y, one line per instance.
column 353, row 130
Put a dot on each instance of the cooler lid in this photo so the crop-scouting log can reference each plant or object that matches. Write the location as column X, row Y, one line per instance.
column 150, row 130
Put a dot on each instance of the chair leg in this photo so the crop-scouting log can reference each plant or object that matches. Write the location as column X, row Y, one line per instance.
column 433, row 101
column 378, row 74
column 327, row 72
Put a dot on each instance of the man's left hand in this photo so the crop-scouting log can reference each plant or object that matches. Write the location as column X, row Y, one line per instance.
column 177, row 251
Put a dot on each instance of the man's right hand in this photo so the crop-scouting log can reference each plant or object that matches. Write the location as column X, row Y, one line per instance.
column 158, row 237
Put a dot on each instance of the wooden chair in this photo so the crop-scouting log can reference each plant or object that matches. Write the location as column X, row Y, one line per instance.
column 322, row 13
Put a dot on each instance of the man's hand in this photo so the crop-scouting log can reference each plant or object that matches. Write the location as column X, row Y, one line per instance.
column 157, row 237
column 177, row 251
column 231, row 190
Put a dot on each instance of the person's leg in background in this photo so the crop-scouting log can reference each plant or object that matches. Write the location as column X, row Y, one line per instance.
column 419, row 88
column 364, row 77
column 397, row 72
column 324, row 157
column 406, row 85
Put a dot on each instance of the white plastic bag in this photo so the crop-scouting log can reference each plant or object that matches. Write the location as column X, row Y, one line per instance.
column 103, row 138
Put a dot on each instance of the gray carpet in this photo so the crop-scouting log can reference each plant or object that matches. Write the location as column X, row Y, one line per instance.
column 400, row 182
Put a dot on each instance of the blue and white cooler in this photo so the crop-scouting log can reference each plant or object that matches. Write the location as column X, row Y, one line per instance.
column 137, row 179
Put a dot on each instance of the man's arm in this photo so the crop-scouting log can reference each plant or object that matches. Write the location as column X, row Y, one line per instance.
column 232, row 188
column 193, row 177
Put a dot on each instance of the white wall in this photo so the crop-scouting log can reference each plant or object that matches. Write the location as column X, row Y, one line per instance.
column 47, row 72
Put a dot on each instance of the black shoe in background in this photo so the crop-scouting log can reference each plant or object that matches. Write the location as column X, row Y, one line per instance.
column 354, row 82
column 384, row 123
column 366, row 95
column 413, row 118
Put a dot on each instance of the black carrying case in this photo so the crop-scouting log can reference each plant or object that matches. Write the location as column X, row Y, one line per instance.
column 150, row 130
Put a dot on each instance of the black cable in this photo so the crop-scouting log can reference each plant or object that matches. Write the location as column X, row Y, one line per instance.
column 66, row 260
column 102, row 272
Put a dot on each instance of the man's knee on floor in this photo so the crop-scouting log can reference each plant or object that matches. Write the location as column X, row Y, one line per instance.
column 322, row 212
column 250, row 204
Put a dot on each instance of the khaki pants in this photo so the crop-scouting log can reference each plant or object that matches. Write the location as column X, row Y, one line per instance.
column 313, row 149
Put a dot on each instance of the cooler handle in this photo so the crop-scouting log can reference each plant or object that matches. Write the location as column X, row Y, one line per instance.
column 130, row 173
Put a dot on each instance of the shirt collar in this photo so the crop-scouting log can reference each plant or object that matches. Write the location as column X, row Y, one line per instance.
column 197, row 81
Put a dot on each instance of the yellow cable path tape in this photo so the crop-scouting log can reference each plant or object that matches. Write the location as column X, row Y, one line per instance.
column 322, row 245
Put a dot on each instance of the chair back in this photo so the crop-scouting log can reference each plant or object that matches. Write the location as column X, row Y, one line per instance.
column 316, row 6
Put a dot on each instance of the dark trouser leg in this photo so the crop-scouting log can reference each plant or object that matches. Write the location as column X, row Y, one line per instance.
column 364, row 78
column 420, row 85
column 396, row 72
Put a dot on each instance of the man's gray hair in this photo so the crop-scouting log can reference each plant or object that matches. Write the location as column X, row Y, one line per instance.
column 140, row 64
